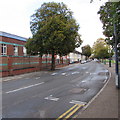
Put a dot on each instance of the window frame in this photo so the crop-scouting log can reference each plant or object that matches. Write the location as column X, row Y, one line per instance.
column 15, row 50
column 24, row 51
column 3, row 49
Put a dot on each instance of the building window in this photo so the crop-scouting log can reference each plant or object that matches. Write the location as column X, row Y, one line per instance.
column 15, row 50
column 24, row 51
column 4, row 49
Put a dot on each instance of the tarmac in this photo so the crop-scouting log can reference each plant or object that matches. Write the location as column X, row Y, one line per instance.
column 105, row 103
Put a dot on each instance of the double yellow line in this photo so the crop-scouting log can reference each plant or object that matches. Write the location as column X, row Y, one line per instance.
column 70, row 112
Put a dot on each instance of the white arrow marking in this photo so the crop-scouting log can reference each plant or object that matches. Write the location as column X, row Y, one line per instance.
column 51, row 98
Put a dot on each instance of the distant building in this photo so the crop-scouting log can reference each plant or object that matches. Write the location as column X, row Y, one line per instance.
column 75, row 57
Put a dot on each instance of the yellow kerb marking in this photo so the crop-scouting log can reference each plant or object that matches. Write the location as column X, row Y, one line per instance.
column 69, row 115
column 66, row 112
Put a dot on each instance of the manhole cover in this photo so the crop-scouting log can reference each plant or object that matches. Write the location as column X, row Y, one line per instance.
column 101, row 73
column 78, row 90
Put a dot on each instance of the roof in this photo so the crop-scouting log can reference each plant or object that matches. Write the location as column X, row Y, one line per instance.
column 5, row 34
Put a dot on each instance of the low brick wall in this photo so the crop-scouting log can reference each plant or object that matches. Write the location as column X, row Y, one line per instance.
column 14, row 65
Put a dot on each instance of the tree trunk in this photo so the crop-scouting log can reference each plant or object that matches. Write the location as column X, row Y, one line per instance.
column 53, row 61
column 46, row 60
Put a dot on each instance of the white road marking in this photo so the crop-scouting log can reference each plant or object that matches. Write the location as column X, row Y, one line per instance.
column 7, row 79
column 63, row 74
column 93, row 73
column 76, row 72
column 104, row 81
column 77, row 102
column 54, row 73
column 67, row 74
column 83, row 81
column 51, row 98
column 24, row 87
column 37, row 78
column 18, row 77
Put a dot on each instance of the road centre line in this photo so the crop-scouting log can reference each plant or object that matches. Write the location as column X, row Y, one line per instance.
column 24, row 88
column 70, row 112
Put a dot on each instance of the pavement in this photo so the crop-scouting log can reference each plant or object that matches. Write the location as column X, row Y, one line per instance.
column 105, row 103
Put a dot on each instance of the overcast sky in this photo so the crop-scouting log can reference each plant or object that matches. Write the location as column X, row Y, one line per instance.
column 15, row 17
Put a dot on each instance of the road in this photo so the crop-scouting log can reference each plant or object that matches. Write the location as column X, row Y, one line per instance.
column 52, row 94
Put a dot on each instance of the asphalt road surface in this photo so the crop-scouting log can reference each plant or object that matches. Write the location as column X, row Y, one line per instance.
column 52, row 94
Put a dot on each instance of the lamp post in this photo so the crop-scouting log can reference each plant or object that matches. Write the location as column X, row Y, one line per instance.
column 109, row 56
column 116, row 59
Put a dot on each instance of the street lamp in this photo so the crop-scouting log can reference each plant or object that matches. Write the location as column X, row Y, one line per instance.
column 109, row 50
column 116, row 59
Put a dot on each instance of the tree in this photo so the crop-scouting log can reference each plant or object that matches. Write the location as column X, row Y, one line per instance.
column 110, row 15
column 54, row 30
column 86, row 50
column 101, row 50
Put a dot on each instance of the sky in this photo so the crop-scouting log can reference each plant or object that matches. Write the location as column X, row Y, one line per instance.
column 15, row 17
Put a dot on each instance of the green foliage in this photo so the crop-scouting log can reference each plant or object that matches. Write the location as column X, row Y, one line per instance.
column 86, row 50
column 54, row 31
column 101, row 50
column 109, row 15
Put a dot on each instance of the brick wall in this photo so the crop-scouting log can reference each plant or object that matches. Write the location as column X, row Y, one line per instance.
column 11, row 65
